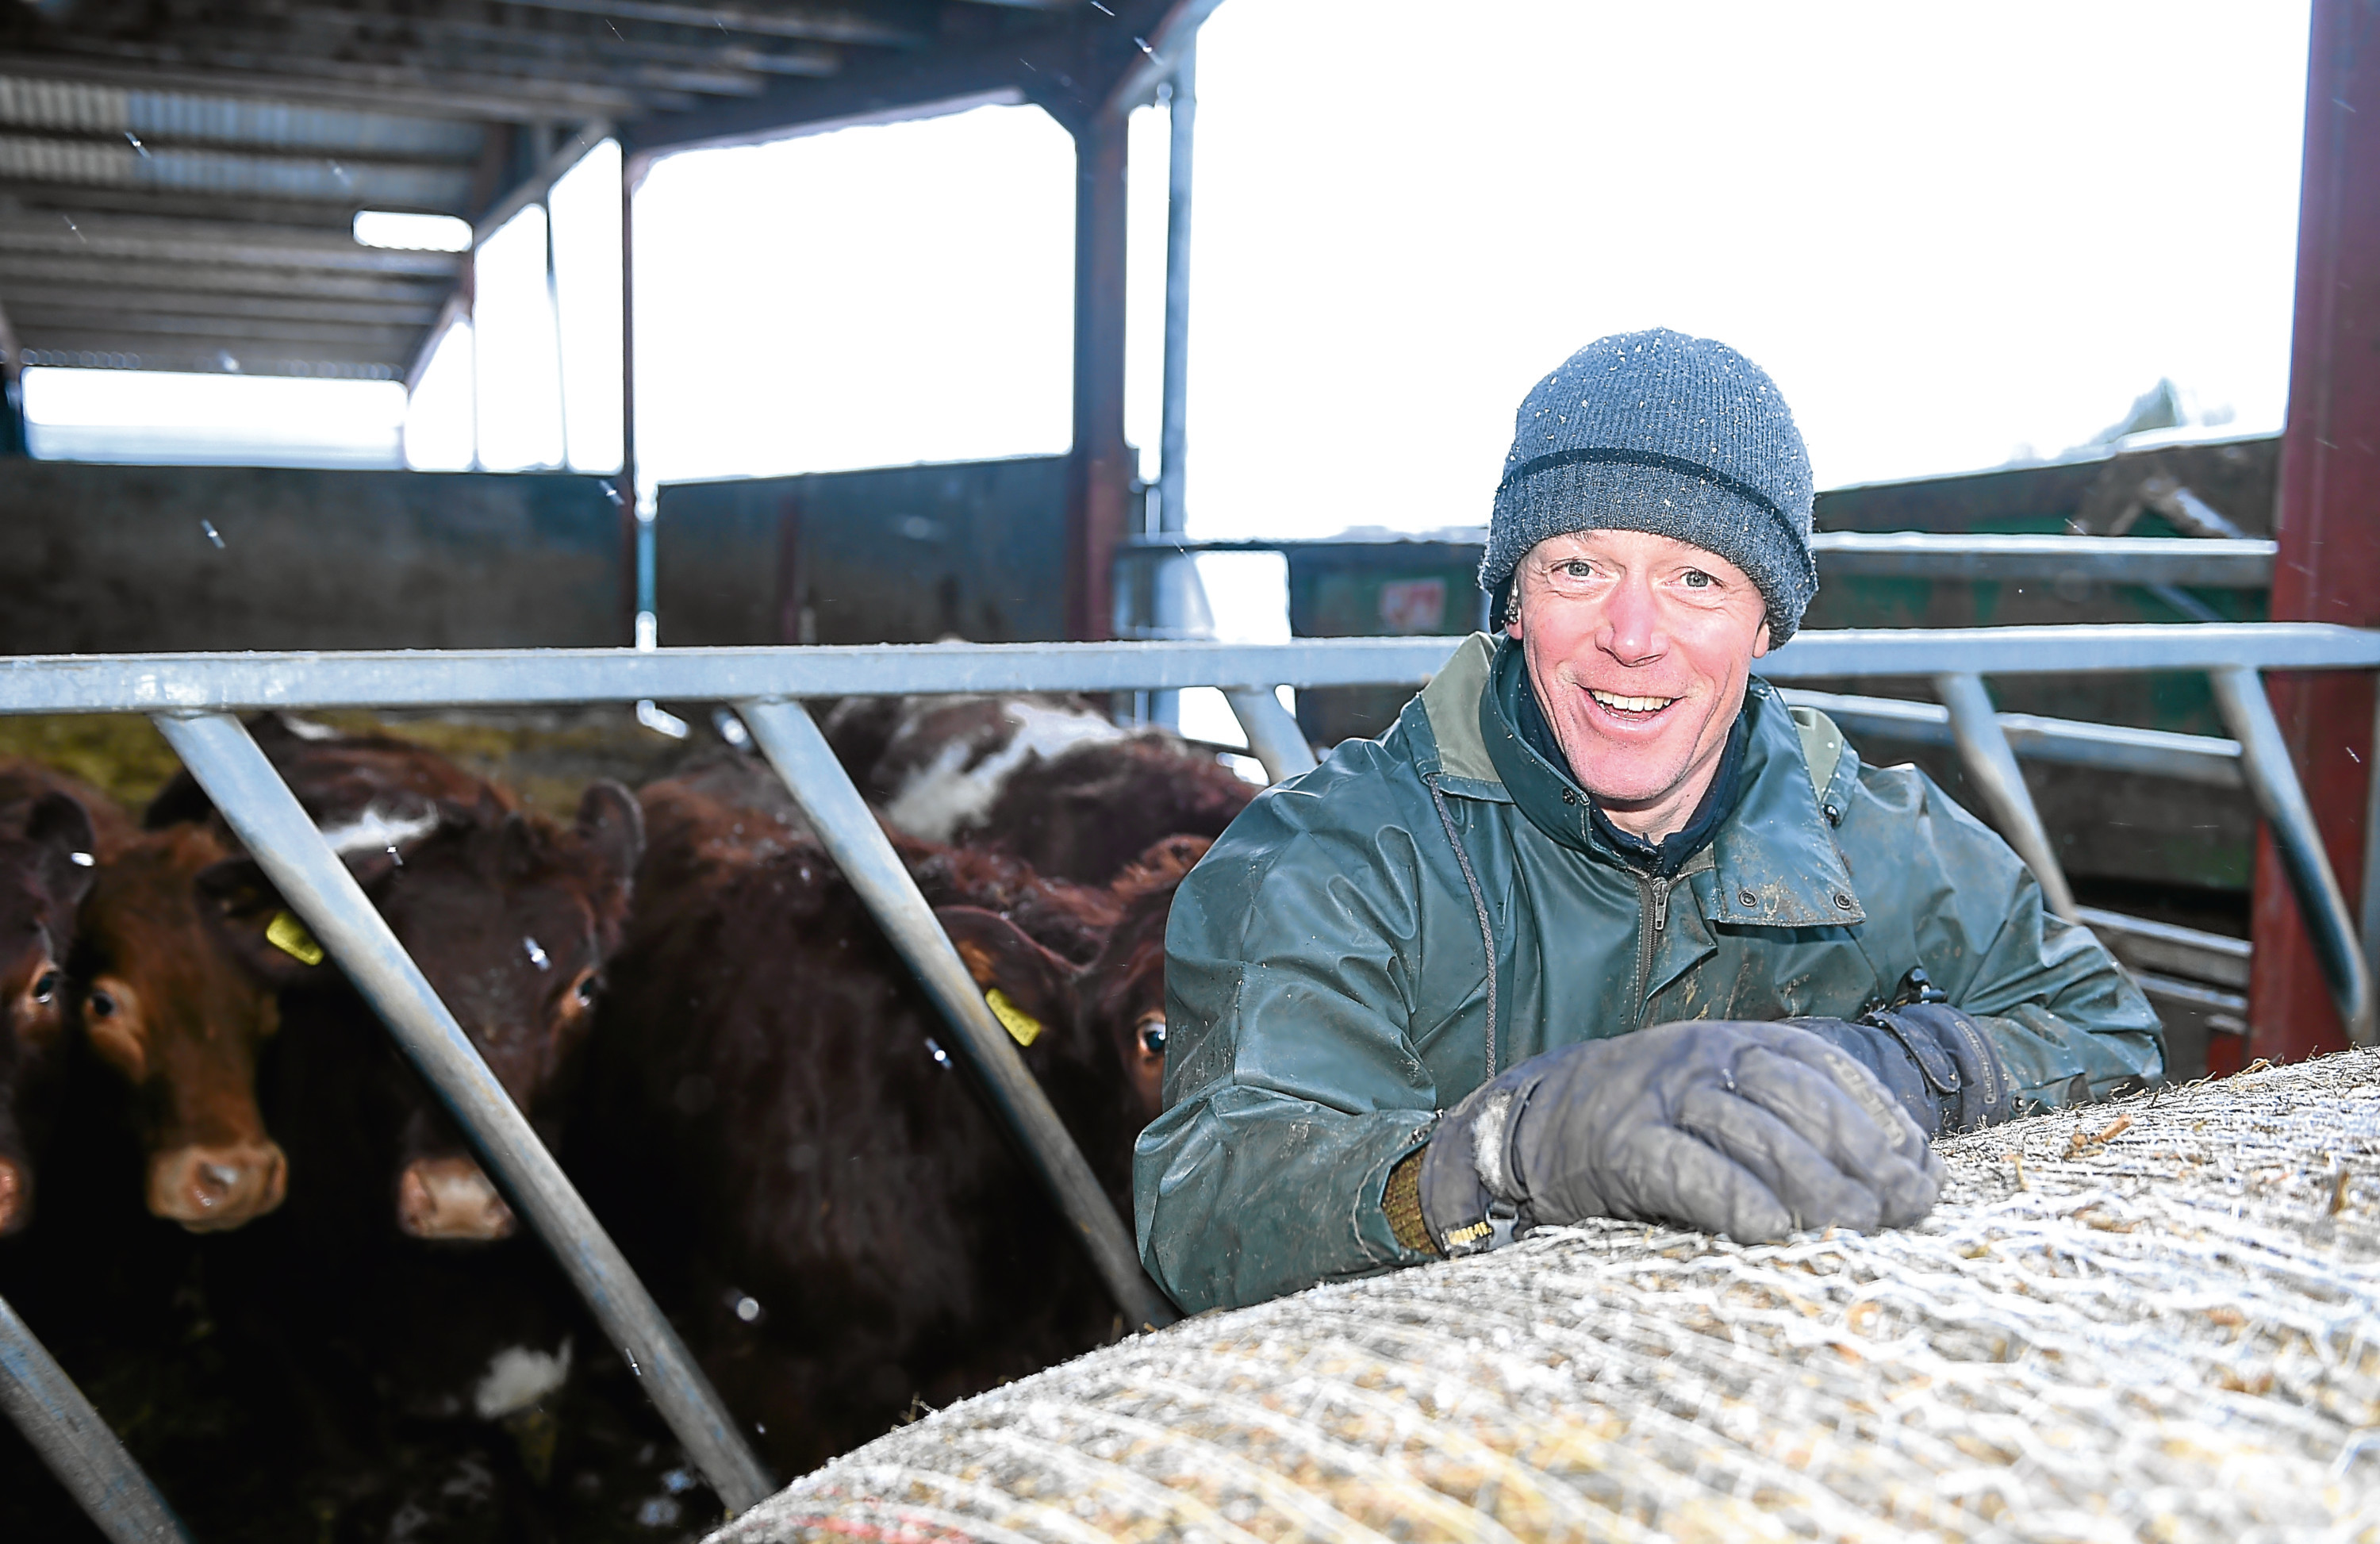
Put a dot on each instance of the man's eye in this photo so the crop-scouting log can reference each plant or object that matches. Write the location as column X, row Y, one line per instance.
column 1577, row 570
column 1697, row 580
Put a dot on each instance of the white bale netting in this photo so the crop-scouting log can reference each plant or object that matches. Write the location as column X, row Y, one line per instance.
column 2155, row 1320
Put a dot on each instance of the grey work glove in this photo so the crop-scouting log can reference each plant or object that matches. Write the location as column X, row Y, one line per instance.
column 1752, row 1130
column 1936, row 1059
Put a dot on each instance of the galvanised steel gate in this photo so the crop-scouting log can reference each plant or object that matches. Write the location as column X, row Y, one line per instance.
column 195, row 700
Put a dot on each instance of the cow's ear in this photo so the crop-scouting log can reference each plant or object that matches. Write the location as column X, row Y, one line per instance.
column 60, row 828
column 1035, row 985
column 247, row 917
column 614, row 824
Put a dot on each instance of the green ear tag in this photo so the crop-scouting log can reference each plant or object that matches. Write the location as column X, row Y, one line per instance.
column 287, row 934
column 1022, row 1026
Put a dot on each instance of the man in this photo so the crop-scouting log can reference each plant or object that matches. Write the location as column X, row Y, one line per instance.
column 1600, row 927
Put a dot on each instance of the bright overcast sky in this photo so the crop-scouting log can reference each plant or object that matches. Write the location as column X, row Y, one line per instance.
column 1953, row 234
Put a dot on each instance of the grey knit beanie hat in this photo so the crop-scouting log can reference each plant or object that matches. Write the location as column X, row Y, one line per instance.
column 1674, row 435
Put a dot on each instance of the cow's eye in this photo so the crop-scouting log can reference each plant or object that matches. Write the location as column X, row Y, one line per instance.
column 102, row 1005
column 46, row 986
column 1152, row 1037
column 589, row 987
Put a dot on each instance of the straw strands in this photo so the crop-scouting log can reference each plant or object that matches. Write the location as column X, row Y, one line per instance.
column 2156, row 1319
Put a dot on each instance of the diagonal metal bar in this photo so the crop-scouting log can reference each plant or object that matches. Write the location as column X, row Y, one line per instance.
column 1991, row 766
column 2273, row 778
column 1274, row 737
column 76, row 1443
column 790, row 738
column 277, row 833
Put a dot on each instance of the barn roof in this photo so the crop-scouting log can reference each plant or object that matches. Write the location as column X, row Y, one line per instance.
column 178, row 179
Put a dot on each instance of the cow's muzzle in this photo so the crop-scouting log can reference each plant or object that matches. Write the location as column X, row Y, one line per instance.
column 450, row 1199
column 210, row 1190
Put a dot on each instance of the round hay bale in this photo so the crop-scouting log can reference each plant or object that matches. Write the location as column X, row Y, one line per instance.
column 2155, row 1319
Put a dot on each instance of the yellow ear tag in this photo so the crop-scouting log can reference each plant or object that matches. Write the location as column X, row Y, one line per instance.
column 287, row 934
column 1022, row 1026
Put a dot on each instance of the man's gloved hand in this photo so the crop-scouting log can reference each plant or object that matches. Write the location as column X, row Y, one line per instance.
column 1936, row 1059
column 1752, row 1130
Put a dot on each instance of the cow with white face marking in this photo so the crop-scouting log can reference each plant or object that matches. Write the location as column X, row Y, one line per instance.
column 395, row 1265
column 1047, row 779
column 795, row 1159
column 509, row 916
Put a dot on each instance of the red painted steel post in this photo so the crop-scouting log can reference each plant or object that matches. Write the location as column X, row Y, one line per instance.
column 2329, row 516
column 1099, row 483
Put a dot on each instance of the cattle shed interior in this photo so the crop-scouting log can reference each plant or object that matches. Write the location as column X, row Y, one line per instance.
column 179, row 187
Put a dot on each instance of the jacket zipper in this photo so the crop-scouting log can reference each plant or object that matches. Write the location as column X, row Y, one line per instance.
column 1656, row 909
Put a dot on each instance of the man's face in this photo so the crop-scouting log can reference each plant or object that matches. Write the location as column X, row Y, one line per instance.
column 1639, row 647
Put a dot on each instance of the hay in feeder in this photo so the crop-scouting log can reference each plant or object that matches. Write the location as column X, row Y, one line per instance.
column 2156, row 1319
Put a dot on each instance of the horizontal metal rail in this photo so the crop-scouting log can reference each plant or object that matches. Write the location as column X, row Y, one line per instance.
column 2207, row 759
column 76, row 1444
column 240, row 683
column 2214, row 564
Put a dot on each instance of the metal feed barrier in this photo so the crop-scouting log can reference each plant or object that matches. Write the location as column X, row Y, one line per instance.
column 195, row 699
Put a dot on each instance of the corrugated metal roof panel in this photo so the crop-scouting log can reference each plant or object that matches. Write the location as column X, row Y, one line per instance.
column 119, row 165
column 79, row 107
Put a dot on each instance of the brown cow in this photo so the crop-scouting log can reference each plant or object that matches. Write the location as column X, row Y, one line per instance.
column 783, row 1140
column 48, row 834
column 1045, row 778
column 509, row 916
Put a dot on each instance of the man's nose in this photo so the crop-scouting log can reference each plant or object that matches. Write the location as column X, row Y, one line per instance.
column 1633, row 631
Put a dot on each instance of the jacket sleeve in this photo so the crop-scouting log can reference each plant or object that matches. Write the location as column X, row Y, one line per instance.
column 2071, row 1025
column 1291, row 1085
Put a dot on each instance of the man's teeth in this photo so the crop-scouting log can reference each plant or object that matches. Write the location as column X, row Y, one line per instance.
column 1631, row 704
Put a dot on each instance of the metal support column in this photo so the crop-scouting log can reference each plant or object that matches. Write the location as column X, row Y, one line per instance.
column 2264, row 756
column 1274, row 737
column 76, row 1443
column 1099, row 471
column 268, row 820
column 2327, row 520
column 1180, row 598
column 847, row 828
column 1991, row 766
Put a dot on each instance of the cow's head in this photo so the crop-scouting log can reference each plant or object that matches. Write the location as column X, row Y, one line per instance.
column 510, row 918
column 1113, row 1008
column 43, row 876
column 182, row 1019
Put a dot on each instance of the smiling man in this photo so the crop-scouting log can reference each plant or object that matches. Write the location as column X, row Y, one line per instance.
column 1601, row 927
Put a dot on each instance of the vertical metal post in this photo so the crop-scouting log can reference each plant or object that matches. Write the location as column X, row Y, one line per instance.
column 2327, row 517
column 76, row 1443
column 1100, row 471
column 1274, row 737
column 1991, row 766
column 636, row 532
column 2264, row 757
column 2369, row 914
column 1180, row 598
column 267, row 819
column 790, row 738
column 553, row 309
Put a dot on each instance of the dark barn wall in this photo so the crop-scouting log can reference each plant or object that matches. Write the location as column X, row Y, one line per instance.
column 111, row 559
column 900, row 554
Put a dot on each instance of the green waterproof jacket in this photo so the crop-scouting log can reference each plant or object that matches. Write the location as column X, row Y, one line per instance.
column 1372, row 941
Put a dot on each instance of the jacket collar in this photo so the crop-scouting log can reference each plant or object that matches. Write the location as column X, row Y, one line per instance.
column 1774, row 862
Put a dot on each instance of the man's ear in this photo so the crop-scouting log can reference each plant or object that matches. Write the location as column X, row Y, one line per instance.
column 1760, row 642
column 1037, row 986
column 60, row 828
column 247, row 917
